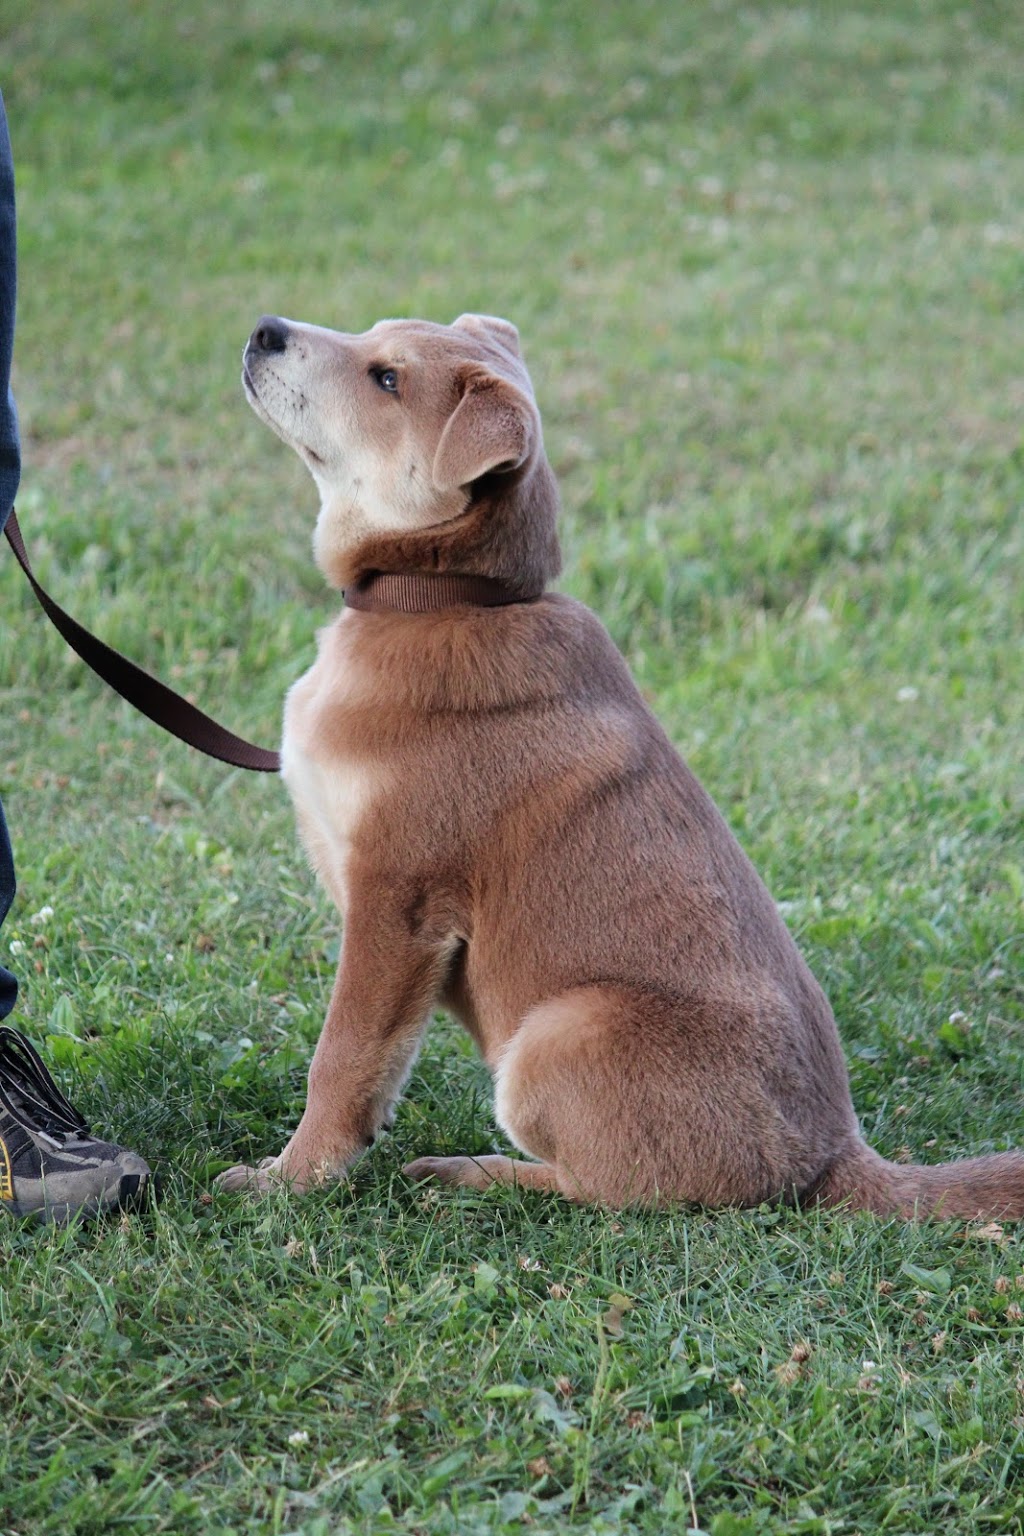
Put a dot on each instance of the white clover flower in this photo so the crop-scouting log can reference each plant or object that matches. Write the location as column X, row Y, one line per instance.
column 42, row 916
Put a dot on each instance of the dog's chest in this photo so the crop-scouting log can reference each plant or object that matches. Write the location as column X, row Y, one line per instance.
column 331, row 792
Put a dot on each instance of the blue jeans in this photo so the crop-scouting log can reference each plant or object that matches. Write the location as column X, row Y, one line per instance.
column 10, row 467
column 8, row 985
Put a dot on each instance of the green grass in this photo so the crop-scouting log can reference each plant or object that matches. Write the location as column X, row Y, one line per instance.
column 768, row 265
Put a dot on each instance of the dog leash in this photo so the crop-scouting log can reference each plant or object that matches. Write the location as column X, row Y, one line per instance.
column 377, row 592
column 145, row 693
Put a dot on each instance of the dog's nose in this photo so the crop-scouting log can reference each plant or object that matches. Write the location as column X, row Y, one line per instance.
column 270, row 335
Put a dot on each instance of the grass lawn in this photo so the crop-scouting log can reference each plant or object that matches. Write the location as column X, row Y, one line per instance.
column 768, row 266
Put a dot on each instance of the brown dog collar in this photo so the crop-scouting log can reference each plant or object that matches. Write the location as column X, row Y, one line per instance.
column 429, row 592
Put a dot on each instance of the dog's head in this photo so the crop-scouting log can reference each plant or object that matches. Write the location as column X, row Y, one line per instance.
column 424, row 441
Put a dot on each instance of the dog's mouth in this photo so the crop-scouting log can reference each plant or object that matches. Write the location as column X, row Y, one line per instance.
column 252, row 394
column 248, row 382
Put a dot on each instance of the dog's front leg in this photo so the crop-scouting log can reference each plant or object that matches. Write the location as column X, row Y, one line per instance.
column 388, row 979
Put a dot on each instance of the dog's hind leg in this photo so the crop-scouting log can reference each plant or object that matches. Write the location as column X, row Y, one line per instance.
column 626, row 1098
column 559, row 1097
column 482, row 1172
column 555, row 1083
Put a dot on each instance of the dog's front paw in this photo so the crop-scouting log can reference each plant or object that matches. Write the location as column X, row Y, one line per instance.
column 253, row 1181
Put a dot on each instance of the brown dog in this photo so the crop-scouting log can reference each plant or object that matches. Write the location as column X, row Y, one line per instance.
column 509, row 832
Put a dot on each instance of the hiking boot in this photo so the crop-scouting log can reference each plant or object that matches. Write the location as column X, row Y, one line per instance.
column 51, row 1167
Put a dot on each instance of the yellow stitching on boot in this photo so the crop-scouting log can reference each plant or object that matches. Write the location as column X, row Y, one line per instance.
column 6, row 1181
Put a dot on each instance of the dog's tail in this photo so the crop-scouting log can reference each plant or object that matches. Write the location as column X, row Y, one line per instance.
column 978, row 1188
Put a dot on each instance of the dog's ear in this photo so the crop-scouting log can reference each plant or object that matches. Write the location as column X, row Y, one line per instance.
column 501, row 331
column 491, row 429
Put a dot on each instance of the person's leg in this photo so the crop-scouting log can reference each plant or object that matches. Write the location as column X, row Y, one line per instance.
column 51, row 1166
column 8, row 985
column 10, row 467
column 10, row 448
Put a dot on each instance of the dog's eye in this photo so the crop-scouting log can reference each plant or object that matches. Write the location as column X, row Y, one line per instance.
column 387, row 378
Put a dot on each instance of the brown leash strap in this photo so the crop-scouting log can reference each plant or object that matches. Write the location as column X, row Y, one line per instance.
column 145, row 693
